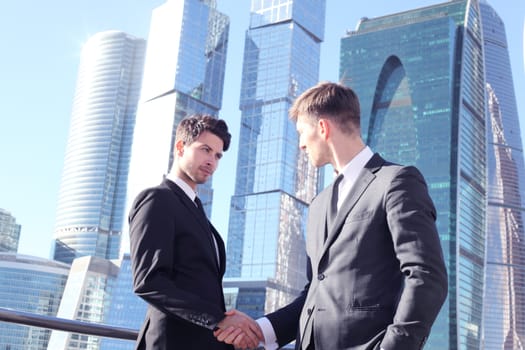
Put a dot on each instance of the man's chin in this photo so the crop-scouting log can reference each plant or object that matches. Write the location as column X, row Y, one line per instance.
column 202, row 180
column 317, row 163
column 314, row 162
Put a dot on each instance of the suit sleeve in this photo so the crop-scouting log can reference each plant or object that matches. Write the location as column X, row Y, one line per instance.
column 411, row 219
column 152, row 231
column 285, row 321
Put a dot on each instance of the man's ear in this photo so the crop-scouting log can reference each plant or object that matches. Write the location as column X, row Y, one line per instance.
column 324, row 128
column 179, row 148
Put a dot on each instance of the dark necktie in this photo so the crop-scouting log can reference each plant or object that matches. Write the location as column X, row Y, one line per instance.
column 199, row 205
column 201, row 208
column 332, row 213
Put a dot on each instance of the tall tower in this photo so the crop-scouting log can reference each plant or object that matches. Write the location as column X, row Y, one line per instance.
column 183, row 74
column 274, row 181
column 93, row 188
column 9, row 232
column 504, row 300
column 420, row 78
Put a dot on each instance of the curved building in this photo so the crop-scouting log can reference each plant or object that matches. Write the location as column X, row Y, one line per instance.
column 504, row 297
column 32, row 285
column 92, row 194
column 420, row 78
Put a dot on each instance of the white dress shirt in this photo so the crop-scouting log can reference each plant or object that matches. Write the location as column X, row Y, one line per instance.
column 183, row 185
column 351, row 171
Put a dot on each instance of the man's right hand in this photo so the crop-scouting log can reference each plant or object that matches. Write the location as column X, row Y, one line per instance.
column 239, row 329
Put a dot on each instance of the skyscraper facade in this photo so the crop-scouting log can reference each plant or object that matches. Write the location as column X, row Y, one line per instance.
column 183, row 75
column 9, row 232
column 420, row 78
column 504, row 299
column 92, row 194
column 33, row 285
column 86, row 298
column 126, row 309
column 274, row 181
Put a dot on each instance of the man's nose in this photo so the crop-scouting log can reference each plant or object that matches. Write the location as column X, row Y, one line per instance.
column 211, row 160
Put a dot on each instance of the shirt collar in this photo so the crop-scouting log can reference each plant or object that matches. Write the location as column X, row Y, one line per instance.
column 183, row 185
column 352, row 169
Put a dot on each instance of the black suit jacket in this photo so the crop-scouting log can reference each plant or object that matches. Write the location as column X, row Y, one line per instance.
column 379, row 279
column 175, row 270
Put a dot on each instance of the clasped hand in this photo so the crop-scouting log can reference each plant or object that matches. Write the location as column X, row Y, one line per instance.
column 240, row 330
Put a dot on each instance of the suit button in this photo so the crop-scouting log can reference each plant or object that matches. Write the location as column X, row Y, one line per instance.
column 309, row 311
column 320, row 276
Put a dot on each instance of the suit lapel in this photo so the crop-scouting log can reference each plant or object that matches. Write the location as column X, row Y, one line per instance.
column 365, row 178
column 188, row 203
column 199, row 216
column 221, row 248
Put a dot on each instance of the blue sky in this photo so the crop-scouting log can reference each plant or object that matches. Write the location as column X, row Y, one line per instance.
column 41, row 43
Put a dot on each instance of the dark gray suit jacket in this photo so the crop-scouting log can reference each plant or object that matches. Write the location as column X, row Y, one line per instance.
column 379, row 279
column 175, row 270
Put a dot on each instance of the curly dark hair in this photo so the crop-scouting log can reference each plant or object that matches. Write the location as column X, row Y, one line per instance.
column 190, row 128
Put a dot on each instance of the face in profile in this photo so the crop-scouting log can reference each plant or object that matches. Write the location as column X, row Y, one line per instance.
column 311, row 140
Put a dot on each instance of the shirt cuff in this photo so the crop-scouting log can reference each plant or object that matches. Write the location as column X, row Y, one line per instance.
column 270, row 339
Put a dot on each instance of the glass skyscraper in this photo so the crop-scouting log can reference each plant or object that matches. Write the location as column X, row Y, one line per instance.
column 9, row 232
column 420, row 78
column 33, row 285
column 183, row 75
column 274, row 182
column 504, row 300
column 92, row 194
column 126, row 309
column 86, row 298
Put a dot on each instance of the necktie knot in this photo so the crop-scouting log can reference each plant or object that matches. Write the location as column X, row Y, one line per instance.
column 199, row 205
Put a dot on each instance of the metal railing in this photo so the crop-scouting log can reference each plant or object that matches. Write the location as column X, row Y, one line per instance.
column 62, row 324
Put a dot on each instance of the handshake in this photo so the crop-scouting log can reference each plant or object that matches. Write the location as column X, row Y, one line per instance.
column 240, row 330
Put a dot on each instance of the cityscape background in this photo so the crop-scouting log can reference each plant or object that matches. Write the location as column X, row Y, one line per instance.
column 42, row 42
column 474, row 170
